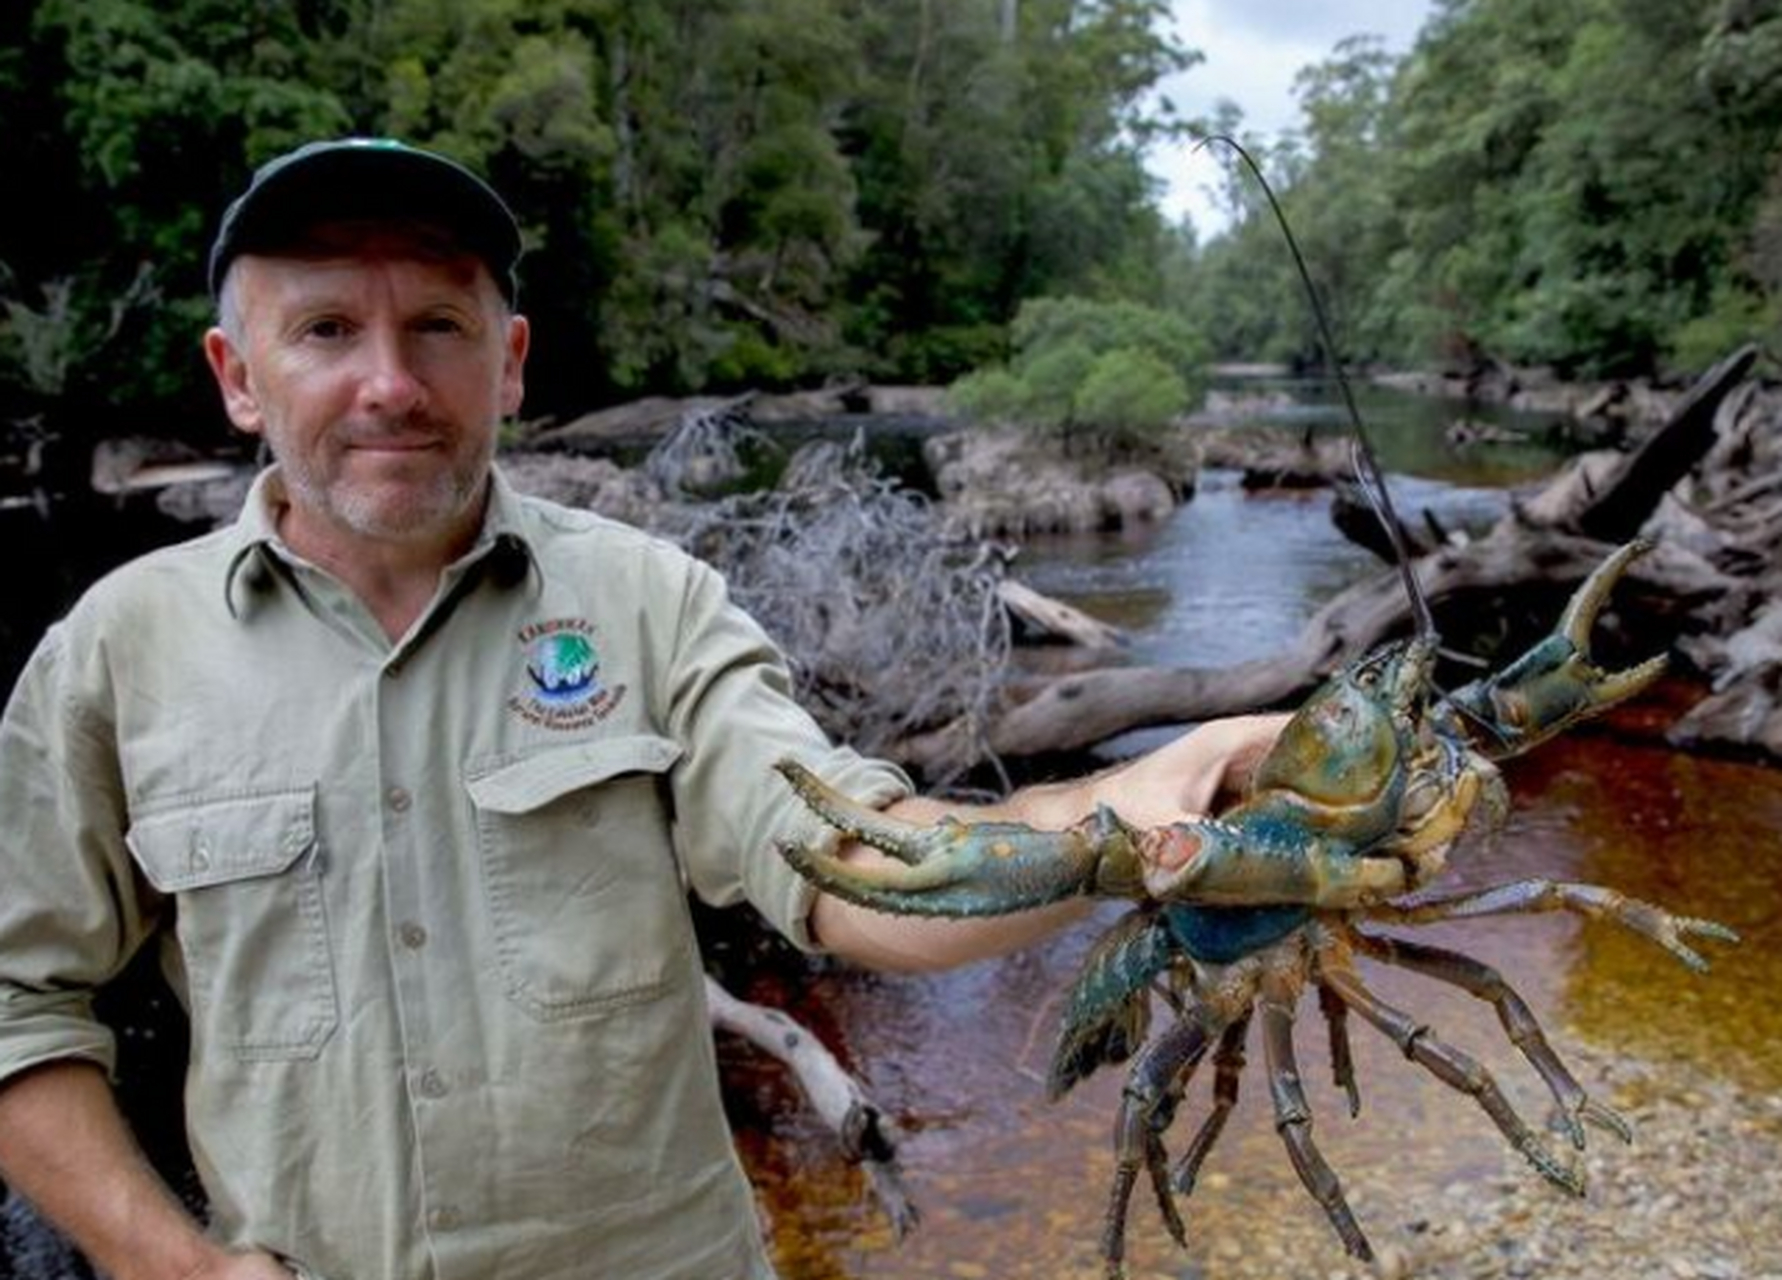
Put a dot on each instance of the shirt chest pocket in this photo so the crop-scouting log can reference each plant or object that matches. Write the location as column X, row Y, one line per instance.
column 245, row 874
column 585, row 899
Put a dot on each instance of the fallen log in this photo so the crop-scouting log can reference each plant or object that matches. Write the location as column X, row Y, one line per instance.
column 866, row 1134
column 1056, row 618
column 1080, row 710
column 1628, row 497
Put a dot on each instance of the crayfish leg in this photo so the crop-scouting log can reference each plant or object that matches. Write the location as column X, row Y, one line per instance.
column 1454, row 1068
column 1342, row 1058
column 1228, row 1066
column 1485, row 983
column 1147, row 1105
column 1293, row 1119
column 1593, row 900
column 1108, row 1010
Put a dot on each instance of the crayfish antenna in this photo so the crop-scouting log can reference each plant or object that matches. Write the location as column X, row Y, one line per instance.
column 1368, row 472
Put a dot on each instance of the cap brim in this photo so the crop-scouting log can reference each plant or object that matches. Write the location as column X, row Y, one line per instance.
column 348, row 182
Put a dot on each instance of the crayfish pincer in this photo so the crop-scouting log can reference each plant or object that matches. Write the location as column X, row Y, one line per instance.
column 1349, row 819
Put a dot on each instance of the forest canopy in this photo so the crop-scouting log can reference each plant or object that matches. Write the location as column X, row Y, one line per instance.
column 1595, row 186
column 767, row 193
column 715, row 194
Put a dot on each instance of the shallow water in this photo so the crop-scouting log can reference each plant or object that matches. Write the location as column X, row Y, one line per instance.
column 1013, row 1187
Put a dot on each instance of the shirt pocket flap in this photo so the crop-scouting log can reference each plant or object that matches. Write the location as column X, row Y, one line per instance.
column 537, row 780
column 218, row 841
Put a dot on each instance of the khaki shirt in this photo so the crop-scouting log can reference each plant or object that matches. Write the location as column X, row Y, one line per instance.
column 425, row 902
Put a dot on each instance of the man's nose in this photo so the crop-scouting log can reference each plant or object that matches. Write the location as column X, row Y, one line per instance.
column 390, row 382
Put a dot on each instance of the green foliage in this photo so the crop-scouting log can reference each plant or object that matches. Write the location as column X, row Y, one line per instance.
column 713, row 194
column 1734, row 318
column 1109, row 376
column 1578, row 185
column 1131, row 394
column 732, row 192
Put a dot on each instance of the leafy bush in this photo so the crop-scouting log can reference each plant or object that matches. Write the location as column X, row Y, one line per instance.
column 1109, row 376
column 1736, row 316
column 1131, row 393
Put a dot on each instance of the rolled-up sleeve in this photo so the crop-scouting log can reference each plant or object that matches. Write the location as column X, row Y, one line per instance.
column 73, row 909
column 731, row 707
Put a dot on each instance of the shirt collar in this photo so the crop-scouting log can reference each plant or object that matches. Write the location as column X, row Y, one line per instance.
column 254, row 544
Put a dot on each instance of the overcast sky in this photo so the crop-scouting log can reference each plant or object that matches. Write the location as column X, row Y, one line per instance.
column 1253, row 48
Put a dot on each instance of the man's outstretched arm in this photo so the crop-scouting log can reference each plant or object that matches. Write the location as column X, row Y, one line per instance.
column 1189, row 777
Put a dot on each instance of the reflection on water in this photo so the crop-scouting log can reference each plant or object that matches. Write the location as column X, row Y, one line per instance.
column 1012, row 1187
column 1232, row 575
column 1412, row 432
column 1229, row 577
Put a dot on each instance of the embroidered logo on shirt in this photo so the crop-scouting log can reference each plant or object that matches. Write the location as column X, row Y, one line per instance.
column 563, row 688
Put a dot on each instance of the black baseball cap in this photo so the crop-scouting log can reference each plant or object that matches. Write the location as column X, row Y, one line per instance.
column 367, row 178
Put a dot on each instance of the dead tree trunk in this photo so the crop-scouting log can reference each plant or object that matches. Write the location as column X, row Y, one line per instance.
column 1666, row 457
column 866, row 1134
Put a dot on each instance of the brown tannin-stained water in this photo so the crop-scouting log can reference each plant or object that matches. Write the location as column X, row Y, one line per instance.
column 1014, row 1188
column 1011, row 1186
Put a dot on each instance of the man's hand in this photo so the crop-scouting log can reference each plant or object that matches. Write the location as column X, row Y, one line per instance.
column 1193, row 776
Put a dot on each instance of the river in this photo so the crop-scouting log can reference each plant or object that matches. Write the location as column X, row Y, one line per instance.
column 1012, row 1187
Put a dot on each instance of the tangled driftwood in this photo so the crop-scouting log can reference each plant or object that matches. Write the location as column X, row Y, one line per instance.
column 892, row 627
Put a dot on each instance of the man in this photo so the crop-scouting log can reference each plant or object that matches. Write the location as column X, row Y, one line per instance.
column 407, row 776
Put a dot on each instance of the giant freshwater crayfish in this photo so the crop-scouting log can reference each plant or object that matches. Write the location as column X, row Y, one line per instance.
column 1356, row 805
column 1349, row 818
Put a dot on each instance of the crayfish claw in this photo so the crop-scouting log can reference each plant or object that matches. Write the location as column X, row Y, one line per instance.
column 1568, row 1124
column 1556, row 683
column 1606, row 1118
column 853, row 820
column 1586, row 604
column 1669, row 931
column 1672, row 938
column 954, row 868
column 1569, row 1118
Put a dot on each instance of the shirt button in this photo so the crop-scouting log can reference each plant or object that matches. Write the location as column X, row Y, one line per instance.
column 399, row 799
column 444, row 1218
column 433, row 1084
column 412, row 936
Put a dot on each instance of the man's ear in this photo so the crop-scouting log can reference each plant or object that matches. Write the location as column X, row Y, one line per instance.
column 231, row 373
column 513, row 370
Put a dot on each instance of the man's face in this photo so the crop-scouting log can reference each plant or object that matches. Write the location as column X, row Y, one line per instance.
column 378, row 369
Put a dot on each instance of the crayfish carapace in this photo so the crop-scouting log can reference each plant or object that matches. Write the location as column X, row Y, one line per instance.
column 1348, row 820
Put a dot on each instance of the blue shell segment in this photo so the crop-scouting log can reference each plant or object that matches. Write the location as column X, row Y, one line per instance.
column 1221, row 935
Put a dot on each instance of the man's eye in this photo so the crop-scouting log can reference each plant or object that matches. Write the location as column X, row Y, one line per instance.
column 441, row 324
column 327, row 329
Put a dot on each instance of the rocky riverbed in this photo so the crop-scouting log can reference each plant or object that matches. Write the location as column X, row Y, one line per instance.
column 1699, row 1194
